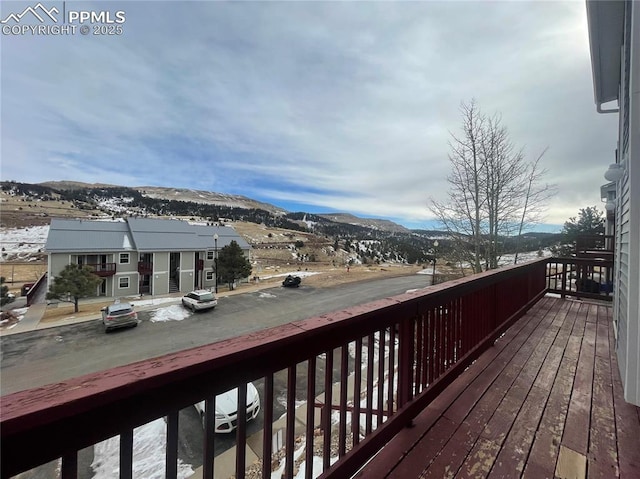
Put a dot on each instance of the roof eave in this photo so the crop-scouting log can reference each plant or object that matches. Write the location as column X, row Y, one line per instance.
column 606, row 29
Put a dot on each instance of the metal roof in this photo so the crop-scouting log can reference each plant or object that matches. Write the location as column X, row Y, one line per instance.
column 139, row 234
column 88, row 236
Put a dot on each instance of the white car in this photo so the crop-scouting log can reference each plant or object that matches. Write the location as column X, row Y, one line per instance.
column 227, row 408
column 199, row 299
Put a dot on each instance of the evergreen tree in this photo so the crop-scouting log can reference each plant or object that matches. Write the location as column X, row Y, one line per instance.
column 4, row 290
column 590, row 221
column 232, row 264
column 72, row 283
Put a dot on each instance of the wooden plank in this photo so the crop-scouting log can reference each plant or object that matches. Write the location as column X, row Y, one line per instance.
column 603, row 453
column 452, row 456
column 480, row 460
column 602, row 340
column 544, row 453
column 512, row 457
column 627, row 428
column 500, row 424
column 576, row 434
column 425, row 450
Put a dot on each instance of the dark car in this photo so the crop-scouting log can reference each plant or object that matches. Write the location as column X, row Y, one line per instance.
column 119, row 315
column 291, row 281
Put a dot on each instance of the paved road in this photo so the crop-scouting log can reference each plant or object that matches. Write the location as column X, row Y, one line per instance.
column 40, row 357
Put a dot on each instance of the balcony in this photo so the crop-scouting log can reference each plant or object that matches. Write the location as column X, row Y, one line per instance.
column 145, row 267
column 486, row 375
column 103, row 270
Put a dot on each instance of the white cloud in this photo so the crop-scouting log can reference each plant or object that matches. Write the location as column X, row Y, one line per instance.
column 345, row 106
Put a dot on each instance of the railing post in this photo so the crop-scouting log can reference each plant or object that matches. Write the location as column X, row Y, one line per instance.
column 405, row 362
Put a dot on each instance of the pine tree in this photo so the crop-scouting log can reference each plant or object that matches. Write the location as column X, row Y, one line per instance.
column 72, row 283
column 232, row 264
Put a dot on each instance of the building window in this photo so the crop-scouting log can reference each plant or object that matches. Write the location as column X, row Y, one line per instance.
column 209, row 275
column 209, row 254
column 123, row 282
column 124, row 258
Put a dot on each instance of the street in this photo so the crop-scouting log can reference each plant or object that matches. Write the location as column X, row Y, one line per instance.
column 44, row 356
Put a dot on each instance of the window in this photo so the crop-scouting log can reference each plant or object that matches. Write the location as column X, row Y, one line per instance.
column 124, row 258
column 123, row 282
column 209, row 275
column 209, row 254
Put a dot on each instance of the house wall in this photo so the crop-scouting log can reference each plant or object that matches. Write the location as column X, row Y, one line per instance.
column 57, row 262
column 187, row 271
column 627, row 298
column 126, row 279
column 160, row 280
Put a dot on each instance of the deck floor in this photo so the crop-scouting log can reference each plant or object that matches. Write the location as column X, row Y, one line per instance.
column 545, row 401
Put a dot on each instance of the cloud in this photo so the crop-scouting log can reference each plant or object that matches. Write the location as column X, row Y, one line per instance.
column 346, row 106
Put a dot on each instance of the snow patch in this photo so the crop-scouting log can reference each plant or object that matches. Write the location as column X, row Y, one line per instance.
column 149, row 445
column 174, row 312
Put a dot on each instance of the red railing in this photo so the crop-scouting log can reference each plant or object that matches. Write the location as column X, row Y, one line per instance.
column 581, row 277
column 145, row 267
column 595, row 246
column 377, row 364
column 102, row 269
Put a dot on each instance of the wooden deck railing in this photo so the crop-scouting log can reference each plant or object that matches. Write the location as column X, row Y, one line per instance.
column 581, row 277
column 103, row 269
column 377, row 364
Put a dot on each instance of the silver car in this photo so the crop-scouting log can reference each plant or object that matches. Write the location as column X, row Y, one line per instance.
column 119, row 315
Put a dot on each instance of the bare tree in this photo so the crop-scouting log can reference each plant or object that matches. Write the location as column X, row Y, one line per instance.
column 493, row 191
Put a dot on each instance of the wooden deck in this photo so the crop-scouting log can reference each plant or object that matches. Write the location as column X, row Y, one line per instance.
column 546, row 401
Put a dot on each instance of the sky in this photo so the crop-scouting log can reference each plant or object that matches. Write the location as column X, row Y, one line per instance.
column 311, row 106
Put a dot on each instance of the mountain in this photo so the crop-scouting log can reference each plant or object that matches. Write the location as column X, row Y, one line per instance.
column 366, row 240
column 383, row 225
column 154, row 200
column 332, row 237
column 208, row 197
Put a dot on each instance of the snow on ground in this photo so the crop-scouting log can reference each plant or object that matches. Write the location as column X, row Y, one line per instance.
column 152, row 301
column 301, row 274
column 149, row 445
column 266, row 295
column 175, row 312
column 21, row 243
column 426, row 271
column 19, row 312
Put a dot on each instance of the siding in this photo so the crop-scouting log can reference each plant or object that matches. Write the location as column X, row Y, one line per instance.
column 627, row 305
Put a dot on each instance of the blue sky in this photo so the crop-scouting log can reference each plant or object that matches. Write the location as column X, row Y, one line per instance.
column 313, row 106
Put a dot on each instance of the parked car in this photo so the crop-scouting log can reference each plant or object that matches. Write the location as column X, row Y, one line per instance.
column 227, row 408
column 199, row 299
column 118, row 315
column 291, row 281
